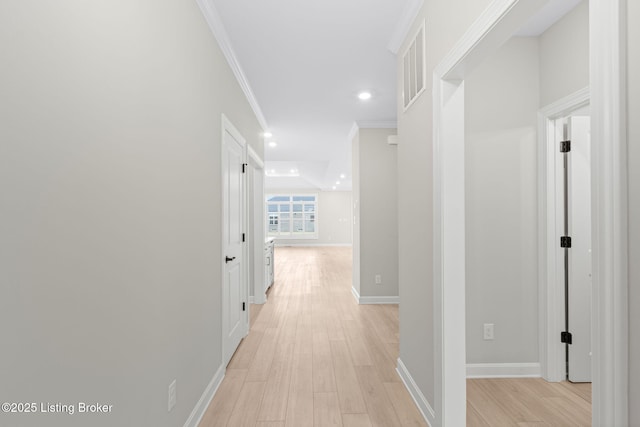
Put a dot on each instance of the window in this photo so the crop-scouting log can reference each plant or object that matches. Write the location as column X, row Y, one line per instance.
column 292, row 216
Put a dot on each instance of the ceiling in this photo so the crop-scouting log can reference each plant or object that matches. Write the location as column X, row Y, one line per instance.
column 306, row 62
column 304, row 65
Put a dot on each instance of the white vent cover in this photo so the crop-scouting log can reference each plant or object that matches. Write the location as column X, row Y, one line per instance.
column 414, row 69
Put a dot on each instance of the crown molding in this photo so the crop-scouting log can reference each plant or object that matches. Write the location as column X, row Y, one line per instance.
column 212, row 17
column 409, row 14
column 382, row 124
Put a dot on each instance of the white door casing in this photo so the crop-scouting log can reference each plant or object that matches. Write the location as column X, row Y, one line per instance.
column 580, row 252
column 234, row 285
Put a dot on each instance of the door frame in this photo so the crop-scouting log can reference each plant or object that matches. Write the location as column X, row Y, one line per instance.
column 256, row 223
column 607, row 51
column 228, row 127
column 550, row 267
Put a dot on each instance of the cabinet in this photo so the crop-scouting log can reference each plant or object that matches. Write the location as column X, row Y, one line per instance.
column 268, row 263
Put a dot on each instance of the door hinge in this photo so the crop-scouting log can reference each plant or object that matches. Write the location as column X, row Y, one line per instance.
column 565, row 337
column 243, row 237
column 565, row 146
column 565, row 241
column 244, row 167
column 243, row 306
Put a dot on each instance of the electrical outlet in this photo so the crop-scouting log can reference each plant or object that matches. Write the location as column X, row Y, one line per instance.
column 172, row 395
column 378, row 279
column 488, row 331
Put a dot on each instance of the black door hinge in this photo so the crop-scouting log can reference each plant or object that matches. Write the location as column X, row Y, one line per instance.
column 565, row 241
column 565, row 337
column 243, row 307
column 244, row 167
column 243, row 237
column 565, row 146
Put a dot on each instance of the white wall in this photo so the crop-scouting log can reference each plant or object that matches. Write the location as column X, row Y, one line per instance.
column 633, row 74
column 447, row 20
column 376, row 215
column 110, row 175
column 334, row 218
column 502, row 98
column 564, row 56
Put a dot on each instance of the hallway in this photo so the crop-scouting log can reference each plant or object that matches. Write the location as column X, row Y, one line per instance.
column 313, row 356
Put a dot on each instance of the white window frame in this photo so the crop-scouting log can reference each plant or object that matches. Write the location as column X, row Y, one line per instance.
column 292, row 234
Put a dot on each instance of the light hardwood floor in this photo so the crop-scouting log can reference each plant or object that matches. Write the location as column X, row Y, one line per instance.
column 316, row 358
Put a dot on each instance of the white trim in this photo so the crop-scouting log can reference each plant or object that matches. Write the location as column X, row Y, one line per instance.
column 503, row 370
column 381, row 124
column 492, row 28
column 212, row 17
column 301, row 245
column 356, row 294
column 258, row 163
column 550, row 274
column 374, row 299
column 416, row 394
column 610, row 364
column 205, row 400
column 378, row 300
column 252, row 299
column 409, row 15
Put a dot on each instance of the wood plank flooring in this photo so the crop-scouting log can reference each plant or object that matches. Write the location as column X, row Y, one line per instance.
column 316, row 358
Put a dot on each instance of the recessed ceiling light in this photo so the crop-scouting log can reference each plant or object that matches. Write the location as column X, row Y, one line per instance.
column 267, row 134
column 293, row 171
column 337, row 182
column 364, row 95
column 342, row 176
column 272, row 144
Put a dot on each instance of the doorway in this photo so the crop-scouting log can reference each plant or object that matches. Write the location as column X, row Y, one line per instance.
column 608, row 206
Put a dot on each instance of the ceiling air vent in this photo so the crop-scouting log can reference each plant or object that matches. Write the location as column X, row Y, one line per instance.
column 414, row 69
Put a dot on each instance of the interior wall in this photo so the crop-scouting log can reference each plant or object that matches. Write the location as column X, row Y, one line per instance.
column 564, row 56
column 110, row 175
column 334, row 218
column 377, row 217
column 633, row 75
column 502, row 98
column 446, row 22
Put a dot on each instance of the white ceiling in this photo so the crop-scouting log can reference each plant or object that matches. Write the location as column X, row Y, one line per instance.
column 305, row 63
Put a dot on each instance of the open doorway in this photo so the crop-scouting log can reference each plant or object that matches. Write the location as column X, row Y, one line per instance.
column 485, row 37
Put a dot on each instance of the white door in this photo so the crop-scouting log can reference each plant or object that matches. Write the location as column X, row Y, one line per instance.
column 234, row 322
column 580, row 252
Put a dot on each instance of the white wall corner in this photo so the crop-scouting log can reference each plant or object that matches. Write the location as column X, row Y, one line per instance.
column 503, row 370
column 206, row 398
column 212, row 17
column 353, row 132
column 403, row 26
column 423, row 404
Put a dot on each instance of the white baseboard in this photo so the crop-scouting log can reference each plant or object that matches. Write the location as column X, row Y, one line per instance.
column 206, row 398
column 374, row 300
column 423, row 405
column 252, row 299
column 356, row 295
column 503, row 370
column 315, row 245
